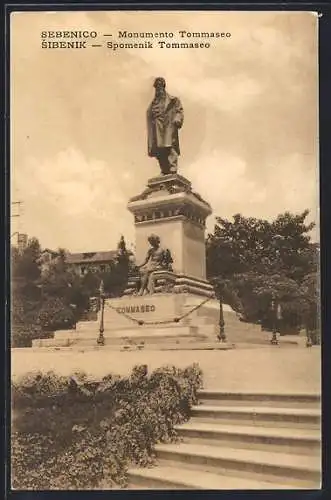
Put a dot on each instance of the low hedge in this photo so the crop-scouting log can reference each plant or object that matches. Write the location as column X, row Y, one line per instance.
column 74, row 433
column 22, row 335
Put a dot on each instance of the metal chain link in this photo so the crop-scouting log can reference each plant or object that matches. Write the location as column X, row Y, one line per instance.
column 141, row 322
column 131, row 318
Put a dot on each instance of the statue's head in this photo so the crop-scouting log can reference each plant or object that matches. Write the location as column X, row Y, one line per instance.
column 159, row 85
column 154, row 240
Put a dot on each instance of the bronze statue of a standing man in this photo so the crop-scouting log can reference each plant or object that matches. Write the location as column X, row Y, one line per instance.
column 165, row 117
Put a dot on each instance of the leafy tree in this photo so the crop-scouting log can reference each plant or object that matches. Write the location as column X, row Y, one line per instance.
column 310, row 288
column 49, row 297
column 64, row 295
column 77, row 297
column 254, row 259
column 116, row 279
column 90, row 283
column 40, row 297
column 25, row 293
column 55, row 314
column 25, row 264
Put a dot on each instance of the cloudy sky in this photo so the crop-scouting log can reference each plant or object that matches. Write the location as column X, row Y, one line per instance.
column 78, row 140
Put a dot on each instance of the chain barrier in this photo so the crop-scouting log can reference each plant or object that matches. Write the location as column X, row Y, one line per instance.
column 141, row 322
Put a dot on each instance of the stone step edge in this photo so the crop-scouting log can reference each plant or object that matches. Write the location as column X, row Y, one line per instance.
column 257, row 458
column 140, row 338
column 276, row 433
column 203, row 480
column 152, row 346
column 219, row 394
column 80, row 347
column 258, row 410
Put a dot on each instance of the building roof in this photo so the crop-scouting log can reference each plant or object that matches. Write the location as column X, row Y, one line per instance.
column 90, row 257
column 51, row 252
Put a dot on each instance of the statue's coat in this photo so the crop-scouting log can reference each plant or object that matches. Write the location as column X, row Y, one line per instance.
column 164, row 134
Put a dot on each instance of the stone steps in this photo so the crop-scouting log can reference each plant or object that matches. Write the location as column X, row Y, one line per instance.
column 139, row 338
column 241, row 441
column 163, row 477
column 185, row 344
column 206, row 329
column 156, row 342
column 242, row 415
column 235, row 330
column 237, row 333
column 278, row 400
column 285, row 468
column 274, row 439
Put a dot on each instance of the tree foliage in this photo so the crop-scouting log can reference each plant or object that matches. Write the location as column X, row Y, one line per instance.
column 74, row 433
column 25, row 293
column 115, row 281
column 50, row 297
column 254, row 260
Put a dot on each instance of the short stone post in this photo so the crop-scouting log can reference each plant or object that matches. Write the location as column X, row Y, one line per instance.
column 274, row 313
column 309, row 342
column 101, row 339
column 221, row 334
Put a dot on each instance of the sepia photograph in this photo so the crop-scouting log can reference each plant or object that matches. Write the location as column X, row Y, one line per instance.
column 164, row 251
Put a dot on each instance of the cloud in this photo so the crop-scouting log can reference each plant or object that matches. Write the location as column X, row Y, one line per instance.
column 225, row 182
column 294, row 180
column 79, row 142
column 74, row 202
column 75, row 185
column 222, row 179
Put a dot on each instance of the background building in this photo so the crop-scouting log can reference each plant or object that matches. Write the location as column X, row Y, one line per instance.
column 85, row 262
column 47, row 257
column 22, row 241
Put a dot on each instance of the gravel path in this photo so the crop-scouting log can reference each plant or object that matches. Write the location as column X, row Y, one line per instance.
column 274, row 368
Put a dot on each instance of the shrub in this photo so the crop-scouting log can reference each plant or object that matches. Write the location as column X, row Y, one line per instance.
column 22, row 335
column 76, row 433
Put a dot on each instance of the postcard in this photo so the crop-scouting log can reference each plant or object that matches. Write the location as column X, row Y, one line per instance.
column 165, row 328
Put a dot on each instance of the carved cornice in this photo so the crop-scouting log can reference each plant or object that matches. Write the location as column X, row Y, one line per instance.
column 168, row 185
column 186, row 212
column 168, row 197
column 143, row 196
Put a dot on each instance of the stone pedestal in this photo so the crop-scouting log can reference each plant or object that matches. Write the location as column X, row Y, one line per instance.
column 160, row 310
column 183, row 310
column 158, row 319
column 169, row 208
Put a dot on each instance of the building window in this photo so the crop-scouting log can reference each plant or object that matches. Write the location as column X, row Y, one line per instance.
column 102, row 268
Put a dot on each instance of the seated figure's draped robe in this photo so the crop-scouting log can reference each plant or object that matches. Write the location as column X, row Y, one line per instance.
column 154, row 259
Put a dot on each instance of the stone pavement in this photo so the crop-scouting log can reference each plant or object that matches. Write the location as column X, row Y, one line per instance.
column 286, row 369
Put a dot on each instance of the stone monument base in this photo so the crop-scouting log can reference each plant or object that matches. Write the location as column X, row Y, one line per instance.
column 160, row 319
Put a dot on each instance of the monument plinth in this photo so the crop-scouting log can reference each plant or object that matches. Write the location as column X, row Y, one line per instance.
column 171, row 209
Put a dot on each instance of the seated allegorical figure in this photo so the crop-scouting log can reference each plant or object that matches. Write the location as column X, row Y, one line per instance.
column 157, row 259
